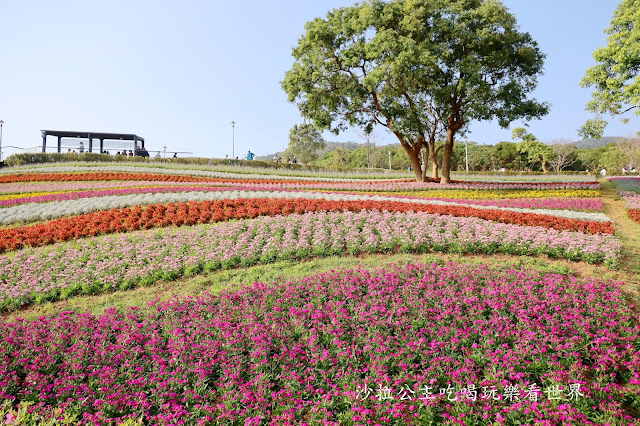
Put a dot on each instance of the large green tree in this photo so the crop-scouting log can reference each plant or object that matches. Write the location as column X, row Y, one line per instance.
column 418, row 68
column 616, row 75
column 593, row 128
column 305, row 141
column 537, row 152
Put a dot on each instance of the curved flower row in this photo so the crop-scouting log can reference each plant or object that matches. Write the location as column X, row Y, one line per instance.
column 76, row 195
column 28, row 188
column 113, row 262
column 415, row 186
column 496, row 194
column 160, row 215
column 305, row 351
column 109, row 176
column 572, row 204
column 19, row 198
column 301, row 175
column 290, row 184
column 575, row 204
column 74, row 203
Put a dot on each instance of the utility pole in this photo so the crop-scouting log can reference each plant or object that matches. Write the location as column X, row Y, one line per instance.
column 1, row 123
column 233, row 140
column 466, row 153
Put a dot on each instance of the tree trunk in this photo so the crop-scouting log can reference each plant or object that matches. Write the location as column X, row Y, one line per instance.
column 446, row 158
column 425, row 158
column 544, row 166
column 434, row 165
column 415, row 164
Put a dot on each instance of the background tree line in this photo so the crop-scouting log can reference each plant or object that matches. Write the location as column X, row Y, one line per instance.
column 524, row 153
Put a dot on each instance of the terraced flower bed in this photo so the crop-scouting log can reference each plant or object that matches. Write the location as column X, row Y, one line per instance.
column 160, row 215
column 415, row 345
column 419, row 344
column 121, row 262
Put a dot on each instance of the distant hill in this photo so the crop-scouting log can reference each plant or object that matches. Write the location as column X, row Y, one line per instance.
column 595, row 143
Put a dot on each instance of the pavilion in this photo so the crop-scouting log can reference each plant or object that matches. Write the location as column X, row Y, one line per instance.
column 136, row 140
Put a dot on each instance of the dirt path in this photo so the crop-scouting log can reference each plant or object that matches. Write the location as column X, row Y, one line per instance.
column 627, row 231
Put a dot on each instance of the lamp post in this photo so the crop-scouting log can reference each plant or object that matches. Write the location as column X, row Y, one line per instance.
column 165, row 152
column 233, row 140
column 389, row 160
column 1, row 123
column 466, row 153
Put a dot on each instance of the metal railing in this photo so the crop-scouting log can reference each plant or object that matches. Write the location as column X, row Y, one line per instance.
column 9, row 150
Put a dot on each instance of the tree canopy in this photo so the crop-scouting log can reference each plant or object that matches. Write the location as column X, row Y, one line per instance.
column 616, row 75
column 536, row 152
column 417, row 67
column 593, row 128
column 304, row 143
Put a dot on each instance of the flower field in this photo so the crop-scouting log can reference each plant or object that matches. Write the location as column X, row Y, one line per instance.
column 629, row 189
column 450, row 343
column 317, row 351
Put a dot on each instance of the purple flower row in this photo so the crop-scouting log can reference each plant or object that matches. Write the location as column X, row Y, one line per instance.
column 26, row 187
column 575, row 204
column 75, row 195
column 298, row 352
column 352, row 186
column 121, row 261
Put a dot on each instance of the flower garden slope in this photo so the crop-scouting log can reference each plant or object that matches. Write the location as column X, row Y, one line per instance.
column 160, row 215
column 306, row 351
column 120, row 262
column 70, row 204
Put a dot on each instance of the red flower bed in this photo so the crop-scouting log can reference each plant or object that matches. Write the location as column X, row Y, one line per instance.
column 634, row 214
column 191, row 213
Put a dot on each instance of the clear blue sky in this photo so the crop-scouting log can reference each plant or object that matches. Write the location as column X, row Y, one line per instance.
column 177, row 73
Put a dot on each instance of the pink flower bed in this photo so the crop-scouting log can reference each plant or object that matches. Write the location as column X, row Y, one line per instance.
column 115, row 262
column 414, row 186
column 75, row 195
column 575, row 204
column 632, row 199
column 304, row 352
column 26, row 187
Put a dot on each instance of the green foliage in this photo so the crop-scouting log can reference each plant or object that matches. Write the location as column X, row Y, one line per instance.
column 508, row 155
column 414, row 66
column 481, row 157
column 593, row 128
column 536, row 152
column 613, row 159
column 591, row 158
column 41, row 157
column 305, row 141
column 21, row 416
column 520, row 133
column 616, row 75
column 186, row 163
